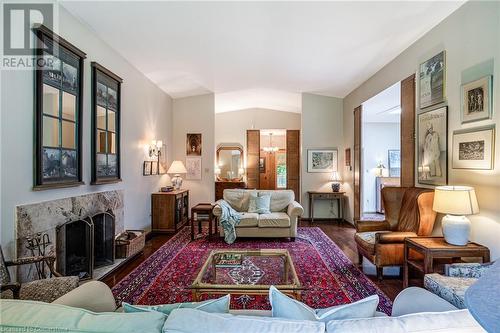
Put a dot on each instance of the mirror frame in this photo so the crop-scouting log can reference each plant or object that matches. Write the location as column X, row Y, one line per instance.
column 230, row 147
column 110, row 76
column 59, row 46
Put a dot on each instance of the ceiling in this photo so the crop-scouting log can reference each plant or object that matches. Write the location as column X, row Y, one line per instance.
column 328, row 48
column 385, row 107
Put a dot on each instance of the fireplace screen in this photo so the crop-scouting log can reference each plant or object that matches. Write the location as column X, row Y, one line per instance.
column 83, row 245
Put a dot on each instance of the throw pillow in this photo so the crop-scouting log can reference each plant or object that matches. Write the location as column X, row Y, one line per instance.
column 219, row 305
column 287, row 307
column 260, row 204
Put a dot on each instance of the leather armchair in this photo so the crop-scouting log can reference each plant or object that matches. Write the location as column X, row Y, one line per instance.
column 408, row 213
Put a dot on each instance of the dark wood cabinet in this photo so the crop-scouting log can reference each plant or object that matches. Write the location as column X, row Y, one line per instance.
column 220, row 186
column 169, row 211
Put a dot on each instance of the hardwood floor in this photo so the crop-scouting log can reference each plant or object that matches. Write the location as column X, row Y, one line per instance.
column 342, row 235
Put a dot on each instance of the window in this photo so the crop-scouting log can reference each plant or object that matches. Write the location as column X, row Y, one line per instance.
column 106, row 125
column 280, row 170
column 58, row 103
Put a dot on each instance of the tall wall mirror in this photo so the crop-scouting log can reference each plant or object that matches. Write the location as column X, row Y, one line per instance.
column 58, row 112
column 230, row 163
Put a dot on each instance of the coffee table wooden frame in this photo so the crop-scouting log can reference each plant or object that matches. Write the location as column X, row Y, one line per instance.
column 294, row 289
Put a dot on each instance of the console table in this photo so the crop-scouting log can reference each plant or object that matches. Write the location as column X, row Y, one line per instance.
column 436, row 248
column 332, row 196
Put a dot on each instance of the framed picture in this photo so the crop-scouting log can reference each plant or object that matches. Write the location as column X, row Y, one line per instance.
column 154, row 168
column 322, row 160
column 105, row 125
column 162, row 160
column 477, row 102
column 146, row 168
column 262, row 165
column 193, row 144
column 432, row 128
column 58, row 112
column 193, row 167
column 348, row 157
column 474, row 148
column 394, row 158
column 432, row 74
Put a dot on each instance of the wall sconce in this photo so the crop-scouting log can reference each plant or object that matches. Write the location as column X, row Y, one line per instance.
column 155, row 148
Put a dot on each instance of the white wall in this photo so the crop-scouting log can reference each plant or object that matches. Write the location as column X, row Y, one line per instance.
column 375, row 151
column 231, row 127
column 196, row 115
column 146, row 115
column 322, row 127
column 470, row 36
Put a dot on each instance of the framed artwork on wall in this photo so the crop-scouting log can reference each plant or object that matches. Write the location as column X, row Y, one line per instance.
column 106, row 115
column 146, row 168
column 477, row 101
column 348, row 158
column 262, row 165
column 432, row 136
column 193, row 167
column 394, row 159
column 474, row 148
column 432, row 76
column 193, row 144
column 322, row 160
column 58, row 112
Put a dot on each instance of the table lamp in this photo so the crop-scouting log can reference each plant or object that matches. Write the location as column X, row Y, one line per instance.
column 335, row 179
column 177, row 168
column 455, row 202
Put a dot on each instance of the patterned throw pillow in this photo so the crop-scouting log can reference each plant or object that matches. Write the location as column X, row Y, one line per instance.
column 260, row 204
column 219, row 305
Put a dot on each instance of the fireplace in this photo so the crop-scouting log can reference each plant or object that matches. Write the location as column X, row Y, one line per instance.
column 85, row 244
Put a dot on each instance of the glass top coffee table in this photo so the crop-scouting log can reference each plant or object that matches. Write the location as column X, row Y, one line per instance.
column 249, row 272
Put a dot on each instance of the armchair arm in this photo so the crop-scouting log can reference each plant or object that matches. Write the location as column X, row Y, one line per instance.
column 15, row 287
column 365, row 226
column 217, row 211
column 414, row 300
column 467, row 270
column 93, row 296
column 295, row 209
column 393, row 237
column 49, row 259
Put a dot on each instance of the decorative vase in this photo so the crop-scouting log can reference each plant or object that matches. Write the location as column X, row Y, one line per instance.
column 335, row 187
column 177, row 182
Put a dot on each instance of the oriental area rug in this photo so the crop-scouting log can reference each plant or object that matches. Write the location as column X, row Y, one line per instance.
column 328, row 277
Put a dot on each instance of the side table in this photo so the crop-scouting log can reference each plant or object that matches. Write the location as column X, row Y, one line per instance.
column 436, row 247
column 207, row 210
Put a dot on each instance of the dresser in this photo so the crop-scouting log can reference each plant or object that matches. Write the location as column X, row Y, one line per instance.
column 169, row 211
column 220, row 186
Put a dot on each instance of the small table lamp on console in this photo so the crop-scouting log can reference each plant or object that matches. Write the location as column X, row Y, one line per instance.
column 335, row 179
column 177, row 168
column 456, row 202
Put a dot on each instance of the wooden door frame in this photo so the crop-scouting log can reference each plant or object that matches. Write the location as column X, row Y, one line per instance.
column 357, row 161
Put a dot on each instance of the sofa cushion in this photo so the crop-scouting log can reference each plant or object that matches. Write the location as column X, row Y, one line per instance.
column 274, row 220
column 284, row 306
column 451, row 289
column 219, row 305
column 280, row 199
column 248, row 220
column 238, row 198
column 259, row 204
column 195, row 321
column 459, row 321
column 31, row 316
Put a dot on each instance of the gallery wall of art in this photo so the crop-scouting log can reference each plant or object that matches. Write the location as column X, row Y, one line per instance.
column 146, row 115
column 470, row 38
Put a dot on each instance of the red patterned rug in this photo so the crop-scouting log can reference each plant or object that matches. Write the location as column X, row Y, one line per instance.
column 329, row 277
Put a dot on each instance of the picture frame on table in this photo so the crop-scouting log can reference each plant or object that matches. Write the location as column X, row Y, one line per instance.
column 432, row 80
column 474, row 148
column 477, row 100
column 322, row 160
column 432, row 139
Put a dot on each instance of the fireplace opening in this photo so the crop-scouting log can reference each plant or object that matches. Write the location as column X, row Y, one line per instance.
column 86, row 244
column 104, row 239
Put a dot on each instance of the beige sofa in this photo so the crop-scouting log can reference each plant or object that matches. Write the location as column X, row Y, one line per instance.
column 282, row 222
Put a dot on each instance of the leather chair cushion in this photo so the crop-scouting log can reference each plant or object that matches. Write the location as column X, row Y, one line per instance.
column 274, row 220
column 248, row 220
column 366, row 240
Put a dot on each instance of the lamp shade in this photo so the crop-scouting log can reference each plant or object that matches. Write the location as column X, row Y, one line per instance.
column 335, row 177
column 177, row 167
column 455, row 200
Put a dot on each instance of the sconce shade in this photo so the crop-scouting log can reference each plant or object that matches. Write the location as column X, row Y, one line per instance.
column 335, row 177
column 217, row 171
column 177, row 167
column 241, row 171
column 455, row 200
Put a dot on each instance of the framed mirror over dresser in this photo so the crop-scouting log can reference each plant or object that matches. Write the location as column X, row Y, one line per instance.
column 229, row 172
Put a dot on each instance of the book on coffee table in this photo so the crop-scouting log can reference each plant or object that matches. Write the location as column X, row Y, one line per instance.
column 228, row 260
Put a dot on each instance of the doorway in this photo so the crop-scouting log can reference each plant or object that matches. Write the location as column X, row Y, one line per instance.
column 374, row 161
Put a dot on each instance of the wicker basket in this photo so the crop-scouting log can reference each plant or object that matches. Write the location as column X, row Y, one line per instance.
column 128, row 248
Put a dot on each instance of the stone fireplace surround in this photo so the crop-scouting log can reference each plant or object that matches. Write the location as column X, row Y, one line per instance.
column 46, row 216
